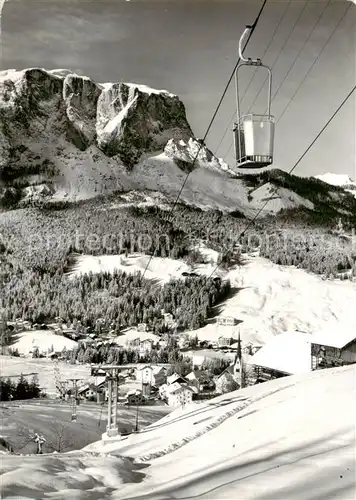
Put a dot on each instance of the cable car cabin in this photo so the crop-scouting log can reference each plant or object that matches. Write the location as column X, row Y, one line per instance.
column 253, row 133
column 253, row 138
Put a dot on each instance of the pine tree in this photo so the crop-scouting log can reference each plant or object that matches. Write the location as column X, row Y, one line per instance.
column 34, row 387
column 22, row 390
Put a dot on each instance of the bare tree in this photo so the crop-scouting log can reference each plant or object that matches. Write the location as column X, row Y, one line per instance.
column 61, row 438
column 22, row 440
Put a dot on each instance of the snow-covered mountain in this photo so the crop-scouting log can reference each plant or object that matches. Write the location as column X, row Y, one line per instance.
column 340, row 180
column 65, row 137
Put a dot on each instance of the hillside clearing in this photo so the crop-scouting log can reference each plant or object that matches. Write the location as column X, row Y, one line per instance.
column 263, row 307
column 44, row 340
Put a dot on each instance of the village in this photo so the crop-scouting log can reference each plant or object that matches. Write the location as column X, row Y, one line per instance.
column 201, row 370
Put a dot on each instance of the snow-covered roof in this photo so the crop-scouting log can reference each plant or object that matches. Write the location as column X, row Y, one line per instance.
column 83, row 388
column 143, row 367
column 287, row 352
column 337, row 337
column 172, row 378
column 155, row 369
column 134, row 392
column 194, row 375
column 176, row 387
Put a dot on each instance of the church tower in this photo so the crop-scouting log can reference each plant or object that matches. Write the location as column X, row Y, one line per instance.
column 238, row 364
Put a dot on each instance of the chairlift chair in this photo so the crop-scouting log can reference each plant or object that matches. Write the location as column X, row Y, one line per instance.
column 253, row 133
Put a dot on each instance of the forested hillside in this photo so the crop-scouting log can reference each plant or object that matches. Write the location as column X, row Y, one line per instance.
column 38, row 244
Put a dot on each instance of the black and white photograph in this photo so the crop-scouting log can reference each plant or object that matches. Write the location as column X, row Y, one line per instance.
column 178, row 249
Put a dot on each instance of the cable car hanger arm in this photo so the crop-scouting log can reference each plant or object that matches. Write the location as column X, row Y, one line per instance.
column 252, row 62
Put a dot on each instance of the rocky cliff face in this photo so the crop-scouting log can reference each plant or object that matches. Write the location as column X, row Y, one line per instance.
column 65, row 137
column 122, row 120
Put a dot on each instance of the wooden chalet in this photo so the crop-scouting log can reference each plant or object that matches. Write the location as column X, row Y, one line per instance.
column 332, row 348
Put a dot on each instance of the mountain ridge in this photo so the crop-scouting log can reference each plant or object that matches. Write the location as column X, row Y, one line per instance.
column 65, row 137
column 341, row 180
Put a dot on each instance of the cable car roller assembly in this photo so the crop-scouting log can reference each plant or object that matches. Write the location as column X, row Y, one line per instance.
column 253, row 133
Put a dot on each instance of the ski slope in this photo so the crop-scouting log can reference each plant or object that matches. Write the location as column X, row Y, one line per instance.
column 292, row 438
column 45, row 340
column 263, row 308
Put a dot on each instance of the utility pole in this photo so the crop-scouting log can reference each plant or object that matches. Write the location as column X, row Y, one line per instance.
column 136, row 426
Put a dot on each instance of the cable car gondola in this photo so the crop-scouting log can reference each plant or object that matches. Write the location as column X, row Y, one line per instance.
column 253, row 133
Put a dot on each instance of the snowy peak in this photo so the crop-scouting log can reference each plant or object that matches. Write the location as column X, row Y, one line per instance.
column 184, row 153
column 341, row 180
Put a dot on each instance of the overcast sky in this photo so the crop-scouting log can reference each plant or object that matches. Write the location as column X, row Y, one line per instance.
column 190, row 48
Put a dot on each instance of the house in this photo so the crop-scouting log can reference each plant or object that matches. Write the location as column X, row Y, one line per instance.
column 227, row 381
column 52, row 355
column 285, row 354
column 226, row 321
column 224, row 341
column 200, row 381
column 87, row 391
column 97, row 372
column 162, row 391
column 179, row 394
column 145, row 346
column 142, row 327
column 333, row 348
column 134, row 397
column 172, row 380
column 153, row 375
column 175, row 378
column 194, row 379
column 90, row 391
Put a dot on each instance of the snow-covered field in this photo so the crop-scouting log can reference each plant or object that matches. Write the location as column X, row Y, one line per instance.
column 285, row 299
column 27, row 341
column 162, row 269
column 11, row 366
column 52, row 419
column 291, row 438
